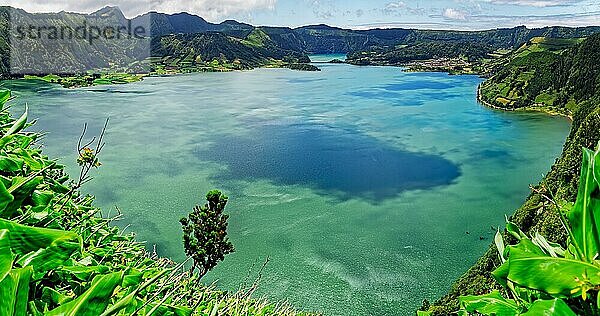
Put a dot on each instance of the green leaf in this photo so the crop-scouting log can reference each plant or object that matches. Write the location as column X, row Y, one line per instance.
column 514, row 230
column 18, row 125
column 499, row 245
column 6, row 256
column 4, row 96
column 42, row 198
column 556, row 276
column 555, row 307
column 10, row 164
column 130, row 298
column 14, row 291
column 94, row 301
column 524, row 249
column 21, row 189
column 26, row 239
column 584, row 221
column 489, row 304
column 501, row 274
column 84, row 273
column 50, row 295
column 552, row 249
column 5, row 197
column 43, row 249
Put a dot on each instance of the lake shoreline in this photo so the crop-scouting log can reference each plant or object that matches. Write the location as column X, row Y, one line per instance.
column 526, row 109
column 83, row 82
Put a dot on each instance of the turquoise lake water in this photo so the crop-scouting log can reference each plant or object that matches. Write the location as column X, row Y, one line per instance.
column 359, row 183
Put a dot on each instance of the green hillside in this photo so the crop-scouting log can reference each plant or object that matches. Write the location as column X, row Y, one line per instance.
column 216, row 52
column 84, row 62
column 546, row 74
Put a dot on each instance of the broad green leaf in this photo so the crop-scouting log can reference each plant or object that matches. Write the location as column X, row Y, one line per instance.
column 41, row 248
column 50, row 295
column 21, row 189
column 18, row 125
column 556, row 276
column 42, row 198
column 14, row 292
column 84, row 273
column 130, row 298
column 26, row 239
column 514, row 230
column 555, row 307
column 525, row 248
column 6, row 256
column 5, row 140
column 423, row 313
column 22, row 297
column 11, row 164
column 94, row 301
column 4, row 96
column 499, row 245
column 5, row 197
column 50, row 258
column 35, row 164
column 489, row 304
column 552, row 249
column 583, row 221
column 501, row 274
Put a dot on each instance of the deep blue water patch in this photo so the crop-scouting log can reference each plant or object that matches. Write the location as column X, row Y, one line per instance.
column 496, row 154
column 398, row 99
column 112, row 90
column 334, row 162
column 417, row 85
column 304, row 80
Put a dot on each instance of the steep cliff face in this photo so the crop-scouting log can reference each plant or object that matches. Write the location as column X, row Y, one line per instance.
column 579, row 78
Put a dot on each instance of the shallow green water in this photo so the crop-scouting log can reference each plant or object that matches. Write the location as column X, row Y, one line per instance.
column 360, row 183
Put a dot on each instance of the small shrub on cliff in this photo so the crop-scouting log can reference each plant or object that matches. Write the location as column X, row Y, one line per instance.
column 205, row 233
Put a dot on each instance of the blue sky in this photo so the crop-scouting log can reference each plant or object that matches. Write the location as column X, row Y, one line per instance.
column 432, row 14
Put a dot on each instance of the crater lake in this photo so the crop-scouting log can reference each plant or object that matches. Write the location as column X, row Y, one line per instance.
column 370, row 189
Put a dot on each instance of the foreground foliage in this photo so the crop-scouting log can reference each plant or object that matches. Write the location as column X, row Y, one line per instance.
column 60, row 255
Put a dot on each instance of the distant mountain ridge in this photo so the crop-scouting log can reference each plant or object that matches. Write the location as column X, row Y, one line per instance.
column 253, row 46
column 187, row 44
column 323, row 38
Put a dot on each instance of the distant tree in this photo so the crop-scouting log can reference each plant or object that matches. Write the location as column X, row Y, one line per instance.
column 205, row 233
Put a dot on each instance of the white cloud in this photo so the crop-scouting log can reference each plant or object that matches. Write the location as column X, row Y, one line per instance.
column 536, row 3
column 209, row 9
column 400, row 7
column 535, row 21
column 396, row 5
column 454, row 14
